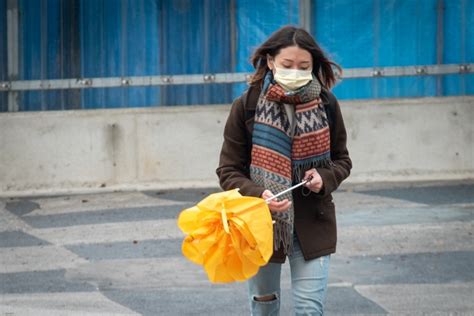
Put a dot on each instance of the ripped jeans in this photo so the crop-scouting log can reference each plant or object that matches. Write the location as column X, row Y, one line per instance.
column 308, row 283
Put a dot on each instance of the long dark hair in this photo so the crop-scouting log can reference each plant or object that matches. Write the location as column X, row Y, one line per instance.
column 293, row 36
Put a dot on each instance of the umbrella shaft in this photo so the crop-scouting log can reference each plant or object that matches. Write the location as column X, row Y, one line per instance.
column 289, row 189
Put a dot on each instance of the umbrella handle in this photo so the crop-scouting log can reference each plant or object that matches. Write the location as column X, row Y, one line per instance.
column 289, row 189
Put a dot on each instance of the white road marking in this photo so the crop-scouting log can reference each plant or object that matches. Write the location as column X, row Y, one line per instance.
column 110, row 232
column 79, row 303
column 96, row 202
column 40, row 258
column 405, row 239
column 410, row 299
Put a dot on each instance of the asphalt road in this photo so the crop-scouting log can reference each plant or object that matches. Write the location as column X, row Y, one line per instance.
column 402, row 249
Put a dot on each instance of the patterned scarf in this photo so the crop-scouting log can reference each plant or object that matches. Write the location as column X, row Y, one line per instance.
column 282, row 151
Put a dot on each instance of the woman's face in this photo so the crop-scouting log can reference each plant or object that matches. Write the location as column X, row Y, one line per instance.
column 291, row 57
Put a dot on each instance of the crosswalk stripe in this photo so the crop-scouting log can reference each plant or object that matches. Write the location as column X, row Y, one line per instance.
column 405, row 239
column 352, row 240
column 430, row 298
column 109, row 232
column 43, row 258
column 52, row 304
column 94, row 206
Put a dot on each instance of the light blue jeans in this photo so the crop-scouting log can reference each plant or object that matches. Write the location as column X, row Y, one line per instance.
column 308, row 283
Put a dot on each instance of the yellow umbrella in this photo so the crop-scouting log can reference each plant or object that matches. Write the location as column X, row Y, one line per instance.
column 229, row 234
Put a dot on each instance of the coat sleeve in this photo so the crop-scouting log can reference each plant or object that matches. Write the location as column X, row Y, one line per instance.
column 340, row 169
column 235, row 155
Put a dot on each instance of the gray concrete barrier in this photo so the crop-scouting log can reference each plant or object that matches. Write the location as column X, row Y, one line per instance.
column 158, row 148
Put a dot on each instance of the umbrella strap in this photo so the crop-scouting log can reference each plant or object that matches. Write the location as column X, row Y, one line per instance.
column 224, row 219
column 289, row 189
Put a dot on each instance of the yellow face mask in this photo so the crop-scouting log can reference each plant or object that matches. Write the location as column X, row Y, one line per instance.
column 292, row 79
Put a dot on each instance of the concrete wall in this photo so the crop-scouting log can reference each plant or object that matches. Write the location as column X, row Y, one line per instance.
column 103, row 150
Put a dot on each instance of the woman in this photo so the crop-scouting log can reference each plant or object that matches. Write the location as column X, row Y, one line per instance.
column 287, row 127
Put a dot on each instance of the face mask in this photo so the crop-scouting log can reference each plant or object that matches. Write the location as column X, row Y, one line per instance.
column 292, row 79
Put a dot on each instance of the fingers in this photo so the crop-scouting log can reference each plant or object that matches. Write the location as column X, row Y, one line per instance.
column 313, row 175
column 275, row 205
column 316, row 182
column 280, row 206
column 267, row 194
column 310, row 172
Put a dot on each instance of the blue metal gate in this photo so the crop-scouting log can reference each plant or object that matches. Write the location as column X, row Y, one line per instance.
column 110, row 39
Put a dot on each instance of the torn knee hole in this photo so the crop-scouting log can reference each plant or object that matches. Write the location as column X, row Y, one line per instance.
column 265, row 298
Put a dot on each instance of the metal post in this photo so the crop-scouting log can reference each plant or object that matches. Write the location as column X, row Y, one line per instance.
column 305, row 14
column 12, row 52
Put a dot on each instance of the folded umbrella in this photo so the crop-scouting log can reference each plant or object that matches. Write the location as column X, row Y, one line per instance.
column 229, row 234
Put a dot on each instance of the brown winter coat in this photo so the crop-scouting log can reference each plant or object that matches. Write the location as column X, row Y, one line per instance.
column 315, row 218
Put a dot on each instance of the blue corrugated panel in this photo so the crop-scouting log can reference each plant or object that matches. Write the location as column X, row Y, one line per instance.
column 70, row 51
column 142, row 50
column 104, row 38
column 256, row 20
column 469, row 49
column 30, row 52
column 101, row 50
column 3, row 53
column 196, row 39
column 458, row 44
column 406, row 36
column 39, row 51
column 345, row 32
column 47, row 51
column 114, row 44
column 136, row 38
column 374, row 33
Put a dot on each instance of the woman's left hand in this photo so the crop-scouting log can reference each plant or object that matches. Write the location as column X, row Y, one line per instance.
column 316, row 184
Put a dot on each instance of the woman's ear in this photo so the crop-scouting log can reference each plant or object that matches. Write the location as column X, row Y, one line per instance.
column 270, row 62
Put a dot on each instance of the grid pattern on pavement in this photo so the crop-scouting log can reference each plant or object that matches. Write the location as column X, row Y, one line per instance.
column 405, row 250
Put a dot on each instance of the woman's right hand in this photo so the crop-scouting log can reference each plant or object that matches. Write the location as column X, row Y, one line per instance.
column 274, row 205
